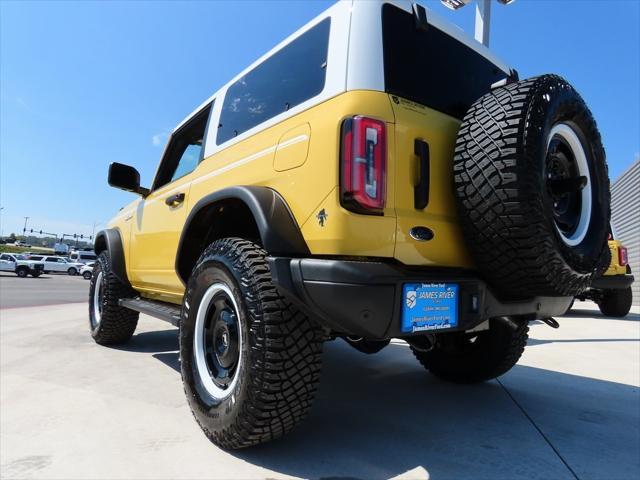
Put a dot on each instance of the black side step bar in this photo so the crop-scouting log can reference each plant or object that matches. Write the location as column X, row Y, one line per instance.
column 164, row 311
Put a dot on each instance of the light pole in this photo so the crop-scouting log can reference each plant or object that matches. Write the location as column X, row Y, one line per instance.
column 483, row 16
column 93, row 231
column 483, row 21
column 24, row 230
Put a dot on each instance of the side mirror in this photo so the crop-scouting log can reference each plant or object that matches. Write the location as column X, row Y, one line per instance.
column 126, row 178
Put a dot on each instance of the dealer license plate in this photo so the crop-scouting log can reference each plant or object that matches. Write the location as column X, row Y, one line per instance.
column 429, row 306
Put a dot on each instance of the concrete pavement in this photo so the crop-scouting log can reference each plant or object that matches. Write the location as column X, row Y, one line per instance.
column 570, row 409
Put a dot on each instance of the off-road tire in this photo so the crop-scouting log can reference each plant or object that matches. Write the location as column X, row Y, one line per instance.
column 502, row 192
column 616, row 303
column 493, row 353
column 72, row 271
column 117, row 323
column 22, row 272
column 282, row 350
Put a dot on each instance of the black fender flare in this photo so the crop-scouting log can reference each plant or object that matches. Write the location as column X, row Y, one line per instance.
column 110, row 240
column 278, row 229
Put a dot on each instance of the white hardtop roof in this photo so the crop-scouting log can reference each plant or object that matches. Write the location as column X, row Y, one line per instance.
column 432, row 17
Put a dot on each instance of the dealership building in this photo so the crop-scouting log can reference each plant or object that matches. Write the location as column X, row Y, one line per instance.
column 625, row 216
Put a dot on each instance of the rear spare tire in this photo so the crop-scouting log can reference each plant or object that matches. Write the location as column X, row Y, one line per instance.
column 532, row 188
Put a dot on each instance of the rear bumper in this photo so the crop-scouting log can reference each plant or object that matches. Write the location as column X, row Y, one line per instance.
column 613, row 282
column 364, row 298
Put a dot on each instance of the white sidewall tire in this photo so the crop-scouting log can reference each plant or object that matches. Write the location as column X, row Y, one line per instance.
column 567, row 134
column 198, row 343
column 97, row 307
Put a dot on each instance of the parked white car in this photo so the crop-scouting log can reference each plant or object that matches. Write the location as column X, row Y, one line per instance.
column 20, row 266
column 58, row 264
column 86, row 271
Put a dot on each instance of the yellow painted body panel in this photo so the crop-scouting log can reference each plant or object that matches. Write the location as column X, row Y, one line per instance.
column 293, row 148
column 346, row 233
column 299, row 158
column 447, row 248
column 614, row 267
column 155, row 232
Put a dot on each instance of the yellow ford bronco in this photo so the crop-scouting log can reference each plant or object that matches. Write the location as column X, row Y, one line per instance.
column 612, row 290
column 378, row 174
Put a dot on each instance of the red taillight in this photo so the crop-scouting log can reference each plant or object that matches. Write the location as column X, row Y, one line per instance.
column 363, row 165
column 622, row 256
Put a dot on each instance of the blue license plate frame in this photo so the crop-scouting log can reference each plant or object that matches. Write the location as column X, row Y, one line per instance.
column 429, row 306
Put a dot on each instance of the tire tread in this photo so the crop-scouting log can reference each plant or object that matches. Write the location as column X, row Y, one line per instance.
column 497, row 194
column 286, row 349
column 118, row 323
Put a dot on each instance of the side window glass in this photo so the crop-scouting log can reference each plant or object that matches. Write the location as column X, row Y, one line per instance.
column 188, row 161
column 289, row 77
column 184, row 150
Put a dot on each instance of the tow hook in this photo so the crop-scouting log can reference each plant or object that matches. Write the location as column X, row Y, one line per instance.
column 552, row 322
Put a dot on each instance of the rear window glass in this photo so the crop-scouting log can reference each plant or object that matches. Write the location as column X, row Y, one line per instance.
column 289, row 77
column 87, row 256
column 431, row 67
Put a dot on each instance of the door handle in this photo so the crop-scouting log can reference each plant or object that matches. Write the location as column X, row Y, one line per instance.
column 174, row 200
column 421, row 189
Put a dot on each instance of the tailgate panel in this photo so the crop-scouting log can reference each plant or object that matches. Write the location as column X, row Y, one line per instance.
column 414, row 121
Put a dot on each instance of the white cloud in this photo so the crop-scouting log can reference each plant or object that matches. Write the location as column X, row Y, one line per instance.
column 159, row 139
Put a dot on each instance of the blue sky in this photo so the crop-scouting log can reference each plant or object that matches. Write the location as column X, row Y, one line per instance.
column 83, row 84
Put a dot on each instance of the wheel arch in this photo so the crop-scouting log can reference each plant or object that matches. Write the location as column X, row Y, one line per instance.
column 252, row 212
column 110, row 240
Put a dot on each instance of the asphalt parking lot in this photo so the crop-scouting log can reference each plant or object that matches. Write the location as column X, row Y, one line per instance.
column 73, row 409
column 48, row 289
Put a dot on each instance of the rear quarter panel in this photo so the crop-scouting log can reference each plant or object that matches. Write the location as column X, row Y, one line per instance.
column 272, row 158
